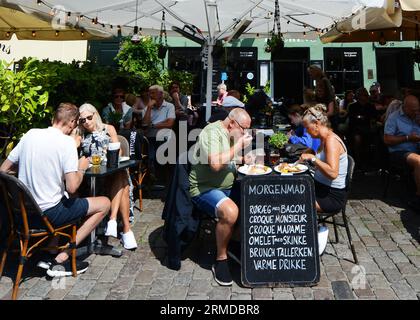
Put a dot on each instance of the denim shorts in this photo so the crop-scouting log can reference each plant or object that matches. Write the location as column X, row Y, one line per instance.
column 209, row 201
column 67, row 210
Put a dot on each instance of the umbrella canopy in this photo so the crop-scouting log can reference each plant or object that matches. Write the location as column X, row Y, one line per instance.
column 28, row 22
column 392, row 21
column 299, row 18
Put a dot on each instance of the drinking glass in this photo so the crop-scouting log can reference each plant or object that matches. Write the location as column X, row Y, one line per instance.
column 274, row 157
column 96, row 159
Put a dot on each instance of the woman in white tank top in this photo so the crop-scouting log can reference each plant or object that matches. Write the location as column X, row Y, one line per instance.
column 330, row 162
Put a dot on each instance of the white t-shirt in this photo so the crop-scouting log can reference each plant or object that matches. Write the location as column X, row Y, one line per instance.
column 44, row 157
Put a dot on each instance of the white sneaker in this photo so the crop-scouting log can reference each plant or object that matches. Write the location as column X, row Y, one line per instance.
column 111, row 229
column 128, row 240
column 322, row 238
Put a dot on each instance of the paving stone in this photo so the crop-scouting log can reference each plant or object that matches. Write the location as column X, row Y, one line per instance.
column 397, row 257
column 240, row 290
column 202, row 274
column 365, row 292
column 303, row 293
column 82, row 288
column 388, row 245
column 371, row 268
column 393, row 275
column 385, row 294
column 370, row 241
column 403, row 290
column 415, row 260
column 93, row 272
column 160, row 287
column 123, row 284
column 101, row 260
column 145, row 277
column 376, row 252
column 400, row 238
column 385, row 263
column 380, row 235
column 199, row 287
column 329, row 260
column 117, row 296
column 183, row 279
column 220, row 293
column 139, row 293
column 374, row 227
column 166, row 273
column 406, row 268
column 377, row 281
column 241, row 296
column 201, row 297
column 29, row 283
column 73, row 297
column 177, row 293
column 100, row 291
column 41, row 289
column 409, row 249
column 286, row 295
column 262, row 294
column 110, row 275
column 414, row 281
column 342, row 290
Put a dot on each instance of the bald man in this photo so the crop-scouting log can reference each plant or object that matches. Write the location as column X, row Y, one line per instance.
column 402, row 136
column 212, row 177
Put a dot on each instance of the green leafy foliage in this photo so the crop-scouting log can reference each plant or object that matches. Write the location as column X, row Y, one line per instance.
column 76, row 82
column 23, row 102
column 278, row 140
column 141, row 60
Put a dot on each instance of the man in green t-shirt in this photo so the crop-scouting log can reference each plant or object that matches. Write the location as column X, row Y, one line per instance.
column 212, row 175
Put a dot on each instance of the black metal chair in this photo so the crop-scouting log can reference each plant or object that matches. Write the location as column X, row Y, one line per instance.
column 22, row 209
column 323, row 217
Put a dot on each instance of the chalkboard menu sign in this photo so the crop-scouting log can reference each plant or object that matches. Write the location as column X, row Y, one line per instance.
column 279, row 231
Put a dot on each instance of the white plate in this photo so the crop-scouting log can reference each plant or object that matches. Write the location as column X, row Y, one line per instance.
column 122, row 159
column 245, row 170
column 300, row 166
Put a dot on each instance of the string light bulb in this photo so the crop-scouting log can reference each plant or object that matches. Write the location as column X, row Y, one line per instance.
column 8, row 34
column 57, row 33
column 82, row 33
column 34, row 34
column 39, row 2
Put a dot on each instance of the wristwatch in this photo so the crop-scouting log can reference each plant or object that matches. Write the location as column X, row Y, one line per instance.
column 313, row 159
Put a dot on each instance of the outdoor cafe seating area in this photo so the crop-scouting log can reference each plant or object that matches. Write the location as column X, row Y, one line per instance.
column 125, row 183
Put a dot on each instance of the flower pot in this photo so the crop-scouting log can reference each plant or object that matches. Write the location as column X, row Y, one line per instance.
column 162, row 52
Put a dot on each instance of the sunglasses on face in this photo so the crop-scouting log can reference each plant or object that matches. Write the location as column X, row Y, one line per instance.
column 83, row 120
column 121, row 96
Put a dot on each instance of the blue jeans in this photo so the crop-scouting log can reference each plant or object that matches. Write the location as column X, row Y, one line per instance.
column 209, row 201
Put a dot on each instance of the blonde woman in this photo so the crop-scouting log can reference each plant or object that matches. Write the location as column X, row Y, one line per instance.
column 330, row 164
column 96, row 137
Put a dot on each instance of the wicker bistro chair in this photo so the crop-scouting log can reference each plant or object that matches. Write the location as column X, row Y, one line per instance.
column 20, row 206
column 323, row 217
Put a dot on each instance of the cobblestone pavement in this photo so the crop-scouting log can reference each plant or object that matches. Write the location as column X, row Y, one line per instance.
column 386, row 236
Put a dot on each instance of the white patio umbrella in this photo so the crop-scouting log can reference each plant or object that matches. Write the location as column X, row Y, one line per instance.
column 28, row 21
column 205, row 21
column 387, row 21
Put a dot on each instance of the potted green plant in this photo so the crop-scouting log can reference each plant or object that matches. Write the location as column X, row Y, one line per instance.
column 278, row 141
column 275, row 43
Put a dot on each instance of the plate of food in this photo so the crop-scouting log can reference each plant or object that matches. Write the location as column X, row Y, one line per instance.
column 254, row 170
column 122, row 159
column 290, row 168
